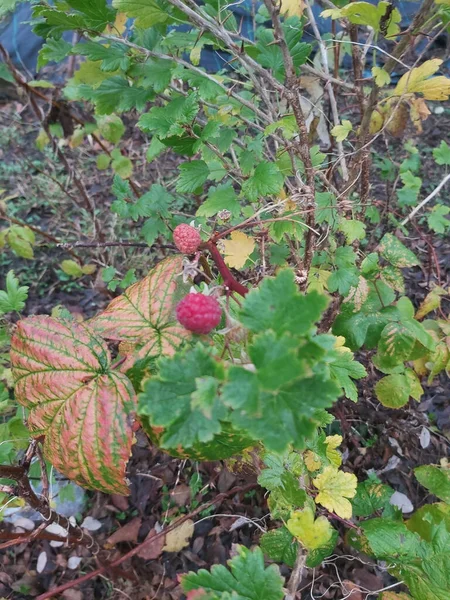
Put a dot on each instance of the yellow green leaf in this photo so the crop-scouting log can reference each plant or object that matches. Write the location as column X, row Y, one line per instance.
column 431, row 302
column 333, row 13
column 311, row 533
column 340, row 132
column 332, row 442
column 88, row 269
column 413, row 81
column 292, row 7
column 42, row 139
column 381, row 76
column 72, row 268
column 334, row 488
column 312, row 461
column 238, row 249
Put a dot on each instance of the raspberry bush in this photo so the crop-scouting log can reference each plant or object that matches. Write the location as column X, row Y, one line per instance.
column 286, row 294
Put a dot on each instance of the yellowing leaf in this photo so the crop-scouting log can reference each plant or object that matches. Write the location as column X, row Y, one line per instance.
column 72, row 268
column 333, row 455
column 311, row 533
column 292, row 7
column 381, row 76
column 179, row 538
column 317, row 279
column 418, row 111
column 413, row 80
column 238, row 249
column 312, row 461
column 437, row 88
column 334, row 488
column 376, row 120
column 340, row 132
column 333, row 13
column 431, row 302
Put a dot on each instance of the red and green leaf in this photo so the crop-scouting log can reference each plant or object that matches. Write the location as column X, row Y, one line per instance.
column 143, row 317
column 62, row 373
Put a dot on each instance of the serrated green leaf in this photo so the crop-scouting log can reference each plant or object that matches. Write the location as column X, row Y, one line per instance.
column 370, row 497
column 342, row 280
column 222, row 197
column 103, row 161
column 116, row 93
column 280, row 546
column 13, row 299
column 391, row 539
column 266, row 180
column 53, row 50
column 442, row 154
column 192, row 176
column 352, row 229
column 247, row 578
column 196, row 409
column 277, row 304
column 146, row 12
column 437, row 218
column 340, row 132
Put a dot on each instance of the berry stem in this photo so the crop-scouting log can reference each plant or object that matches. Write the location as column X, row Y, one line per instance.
column 228, row 278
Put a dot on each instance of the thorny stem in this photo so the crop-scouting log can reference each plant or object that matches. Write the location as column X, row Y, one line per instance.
column 296, row 575
column 22, row 489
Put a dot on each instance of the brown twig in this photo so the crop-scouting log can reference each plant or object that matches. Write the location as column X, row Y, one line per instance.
column 150, row 540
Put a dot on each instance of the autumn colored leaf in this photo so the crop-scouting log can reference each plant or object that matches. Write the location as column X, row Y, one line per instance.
column 312, row 533
column 62, row 373
column 333, row 455
column 334, row 488
column 238, row 249
column 143, row 317
column 417, row 81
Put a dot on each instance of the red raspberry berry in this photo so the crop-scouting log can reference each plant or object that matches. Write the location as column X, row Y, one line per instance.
column 199, row 313
column 187, row 239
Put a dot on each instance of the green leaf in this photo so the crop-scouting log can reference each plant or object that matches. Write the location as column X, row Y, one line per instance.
column 393, row 391
column 247, row 578
column 222, row 197
column 442, row 154
column 103, row 161
column 117, row 94
column 111, row 128
column 352, row 229
column 192, row 176
column 276, row 417
column 391, row 539
column 342, row 280
column 155, row 149
column 277, row 304
column 365, row 325
column 343, row 369
column 392, row 249
column 72, row 268
column 21, row 240
column 266, row 180
column 436, row 480
column 430, row 580
column 371, row 496
column 53, row 50
column 340, row 132
column 13, row 299
column 146, row 12
column 437, row 218
column 166, row 121
column 280, row 546
column 396, row 344
column 381, row 76
column 188, row 384
column 121, row 165
column 113, row 57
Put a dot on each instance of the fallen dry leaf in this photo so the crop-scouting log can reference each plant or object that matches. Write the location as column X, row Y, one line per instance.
column 181, row 494
column 127, row 533
column 152, row 550
column 179, row 538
